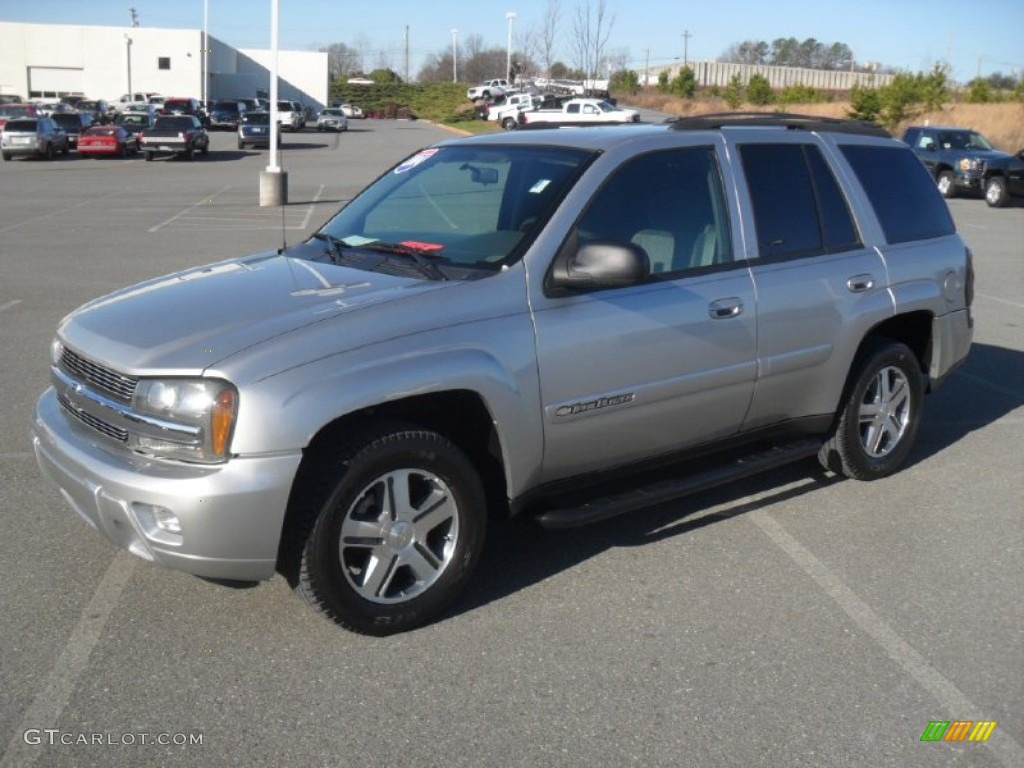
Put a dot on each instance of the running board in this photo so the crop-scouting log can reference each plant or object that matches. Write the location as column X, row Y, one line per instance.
column 674, row 488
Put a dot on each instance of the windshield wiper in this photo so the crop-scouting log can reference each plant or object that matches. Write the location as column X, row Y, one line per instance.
column 426, row 267
column 333, row 245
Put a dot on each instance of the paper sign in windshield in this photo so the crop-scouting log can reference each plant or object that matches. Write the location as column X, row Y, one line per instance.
column 415, row 160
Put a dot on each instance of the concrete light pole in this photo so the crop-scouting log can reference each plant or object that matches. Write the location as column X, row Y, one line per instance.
column 128, row 50
column 273, row 181
column 455, row 55
column 509, row 17
column 205, row 59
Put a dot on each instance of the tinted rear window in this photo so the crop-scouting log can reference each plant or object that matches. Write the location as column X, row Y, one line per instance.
column 902, row 192
column 21, row 125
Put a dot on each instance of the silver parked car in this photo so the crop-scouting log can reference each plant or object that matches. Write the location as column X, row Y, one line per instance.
column 33, row 137
column 551, row 323
column 332, row 119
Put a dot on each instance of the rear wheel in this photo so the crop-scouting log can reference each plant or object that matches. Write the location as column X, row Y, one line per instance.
column 509, row 124
column 997, row 194
column 49, row 152
column 388, row 530
column 149, row 156
column 946, row 184
column 6, row 155
column 880, row 416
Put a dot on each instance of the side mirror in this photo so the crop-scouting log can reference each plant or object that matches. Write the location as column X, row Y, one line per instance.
column 602, row 264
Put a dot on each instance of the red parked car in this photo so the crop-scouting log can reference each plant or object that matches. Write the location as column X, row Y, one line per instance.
column 107, row 140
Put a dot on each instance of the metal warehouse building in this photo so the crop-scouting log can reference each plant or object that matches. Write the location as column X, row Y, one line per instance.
column 51, row 60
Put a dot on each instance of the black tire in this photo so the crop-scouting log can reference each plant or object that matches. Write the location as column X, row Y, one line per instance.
column 149, row 156
column 997, row 194
column 880, row 415
column 122, row 152
column 205, row 150
column 49, row 151
column 6, row 155
column 241, row 145
column 378, row 571
column 946, row 184
column 509, row 124
column 187, row 154
column 66, row 151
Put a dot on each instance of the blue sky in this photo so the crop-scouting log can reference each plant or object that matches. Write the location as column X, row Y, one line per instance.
column 976, row 35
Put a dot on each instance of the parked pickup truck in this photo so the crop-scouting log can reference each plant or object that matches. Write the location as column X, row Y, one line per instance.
column 579, row 112
column 962, row 160
column 488, row 89
column 181, row 135
column 569, row 325
column 506, row 112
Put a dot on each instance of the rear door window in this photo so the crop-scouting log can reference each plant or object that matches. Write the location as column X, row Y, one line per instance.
column 902, row 192
column 799, row 209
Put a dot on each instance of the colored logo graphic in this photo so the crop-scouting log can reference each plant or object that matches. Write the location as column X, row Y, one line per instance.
column 958, row 730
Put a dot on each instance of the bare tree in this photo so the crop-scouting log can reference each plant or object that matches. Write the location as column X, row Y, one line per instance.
column 341, row 59
column 591, row 29
column 527, row 50
column 548, row 34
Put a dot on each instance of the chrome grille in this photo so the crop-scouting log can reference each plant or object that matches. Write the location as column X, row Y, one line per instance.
column 98, row 424
column 102, row 379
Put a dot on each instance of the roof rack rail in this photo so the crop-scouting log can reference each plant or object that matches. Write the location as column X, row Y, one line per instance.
column 776, row 120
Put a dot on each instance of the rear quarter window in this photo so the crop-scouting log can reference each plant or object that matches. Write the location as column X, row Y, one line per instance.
column 901, row 191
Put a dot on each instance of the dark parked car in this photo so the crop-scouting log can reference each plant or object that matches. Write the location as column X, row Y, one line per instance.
column 100, row 110
column 226, row 113
column 133, row 122
column 33, row 136
column 962, row 160
column 175, row 106
column 74, row 124
column 254, row 130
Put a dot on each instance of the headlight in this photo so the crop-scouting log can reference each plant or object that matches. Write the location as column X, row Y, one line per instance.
column 56, row 351
column 194, row 418
column 970, row 164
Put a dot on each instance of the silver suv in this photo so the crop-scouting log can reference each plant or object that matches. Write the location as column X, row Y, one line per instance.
column 33, row 137
column 525, row 323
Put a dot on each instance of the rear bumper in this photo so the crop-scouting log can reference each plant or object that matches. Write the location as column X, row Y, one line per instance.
column 230, row 514
column 952, row 334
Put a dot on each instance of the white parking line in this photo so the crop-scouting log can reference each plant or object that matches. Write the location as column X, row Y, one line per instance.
column 1001, row 301
column 46, row 707
column 92, row 199
column 951, row 698
column 190, row 208
column 1015, row 393
column 9, row 304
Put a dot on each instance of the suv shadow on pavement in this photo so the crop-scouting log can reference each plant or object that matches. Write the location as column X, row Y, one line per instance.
column 521, row 554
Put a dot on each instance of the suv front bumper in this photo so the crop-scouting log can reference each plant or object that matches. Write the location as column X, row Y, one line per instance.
column 230, row 515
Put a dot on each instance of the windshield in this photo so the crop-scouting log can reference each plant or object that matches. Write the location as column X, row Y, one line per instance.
column 468, row 206
column 963, row 140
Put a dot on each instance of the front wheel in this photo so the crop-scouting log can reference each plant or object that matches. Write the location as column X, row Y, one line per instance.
column 946, row 184
column 509, row 124
column 879, row 418
column 997, row 195
column 390, row 530
column 149, row 156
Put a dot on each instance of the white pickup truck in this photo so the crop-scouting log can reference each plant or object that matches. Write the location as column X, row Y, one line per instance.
column 506, row 113
column 580, row 112
column 488, row 89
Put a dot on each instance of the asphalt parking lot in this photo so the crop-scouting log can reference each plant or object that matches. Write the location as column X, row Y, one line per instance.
column 789, row 620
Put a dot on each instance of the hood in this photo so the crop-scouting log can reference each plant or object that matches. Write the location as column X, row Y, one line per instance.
column 188, row 321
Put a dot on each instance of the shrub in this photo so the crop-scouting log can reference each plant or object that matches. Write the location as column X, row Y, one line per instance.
column 759, row 91
column 733, row 94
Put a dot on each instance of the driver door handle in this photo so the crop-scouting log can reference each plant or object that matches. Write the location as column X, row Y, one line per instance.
column 722, row 309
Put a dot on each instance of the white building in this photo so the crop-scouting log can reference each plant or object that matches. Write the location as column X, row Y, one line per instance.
column 51, row 60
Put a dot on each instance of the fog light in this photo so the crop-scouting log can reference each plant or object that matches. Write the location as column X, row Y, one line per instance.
column 166, row 520
column 156, row 519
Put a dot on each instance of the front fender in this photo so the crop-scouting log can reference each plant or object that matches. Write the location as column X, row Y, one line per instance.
column 284, row 412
